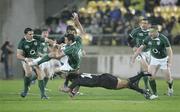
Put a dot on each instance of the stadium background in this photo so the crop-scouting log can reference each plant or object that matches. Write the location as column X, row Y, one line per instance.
column 106, row 48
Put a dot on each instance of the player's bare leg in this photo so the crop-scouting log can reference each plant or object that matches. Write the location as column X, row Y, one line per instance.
column 169, row 80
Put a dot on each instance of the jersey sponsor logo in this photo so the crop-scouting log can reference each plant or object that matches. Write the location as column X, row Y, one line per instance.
column 155, row 51
column 32, row 52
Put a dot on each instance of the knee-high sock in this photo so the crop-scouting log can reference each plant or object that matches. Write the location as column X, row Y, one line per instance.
column 152, row 84
column 66, row 82
column 135, row 78
column 145, row 78
column 41, row 87
column 170, row 84
column 27, row 82
column 45, row 81
column 136, row 88
column 44, row 59
column 138, row 77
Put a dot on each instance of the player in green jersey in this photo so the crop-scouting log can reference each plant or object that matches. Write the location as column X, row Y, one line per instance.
column 48, row 67
column 135, row 40
column 26, row 52
column 161, row 57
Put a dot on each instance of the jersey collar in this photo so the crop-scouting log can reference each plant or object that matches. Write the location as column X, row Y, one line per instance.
column 144, row 30
column 73, row 43
column 28, row 40
column 157, row 38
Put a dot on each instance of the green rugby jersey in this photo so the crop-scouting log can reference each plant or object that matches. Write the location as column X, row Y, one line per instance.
column 74, row 52
column 158, row 46
column 43, row 48
column 30, row 48
column 138, row 36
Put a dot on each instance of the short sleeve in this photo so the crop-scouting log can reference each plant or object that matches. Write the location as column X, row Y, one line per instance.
column 20, row 45
column 166, row 41
column 133, row 34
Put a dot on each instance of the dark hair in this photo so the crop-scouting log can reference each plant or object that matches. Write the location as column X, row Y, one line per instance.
column 154, row 27
column 70, row 37
column 27, row 30
column 44, row 30
column 144, row 19
column 70, row 27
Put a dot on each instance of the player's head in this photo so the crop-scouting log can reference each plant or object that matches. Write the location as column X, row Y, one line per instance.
column 45, row 33
column 28, row 33
column 144, row 24
column 69, row 38
column 153, row 32
column 71, row 30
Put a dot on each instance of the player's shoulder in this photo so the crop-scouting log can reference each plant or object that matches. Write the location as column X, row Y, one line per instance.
column 22, row 40
column 77, row 37
column 137, row 29
column 162, row 36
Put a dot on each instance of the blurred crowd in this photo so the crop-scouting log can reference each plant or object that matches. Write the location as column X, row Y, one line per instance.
column 108, row 22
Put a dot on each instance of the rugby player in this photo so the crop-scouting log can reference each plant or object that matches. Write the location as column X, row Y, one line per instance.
column 27, row 51
column 161, row 57
column 105, row 80
column 135, row 40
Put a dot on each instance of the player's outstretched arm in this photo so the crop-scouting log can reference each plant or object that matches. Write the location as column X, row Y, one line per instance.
column 77, row 22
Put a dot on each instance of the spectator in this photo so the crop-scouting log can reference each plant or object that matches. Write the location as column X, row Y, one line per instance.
column 6, row 58
column 168, row 2
column 115, row 14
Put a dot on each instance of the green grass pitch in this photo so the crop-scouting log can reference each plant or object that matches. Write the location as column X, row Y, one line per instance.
column 93, row 100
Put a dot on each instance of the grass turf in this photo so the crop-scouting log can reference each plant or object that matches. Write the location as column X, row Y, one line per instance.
column 93, row 100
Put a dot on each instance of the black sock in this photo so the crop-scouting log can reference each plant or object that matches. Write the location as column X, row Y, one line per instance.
column 153, row 86
column 27, row 82
column 145, row 79
column 45, row 81
column 170, row 84
column 136, row 88
column 135, row 78
column 66, row 82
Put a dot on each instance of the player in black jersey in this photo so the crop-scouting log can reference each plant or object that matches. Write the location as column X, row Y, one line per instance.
column 105, row 80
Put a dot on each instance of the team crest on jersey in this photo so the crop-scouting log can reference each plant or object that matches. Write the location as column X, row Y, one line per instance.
column 149, row 43
column 26, row 47
column 35, row 43
column 158, row 42
column 140, row 34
